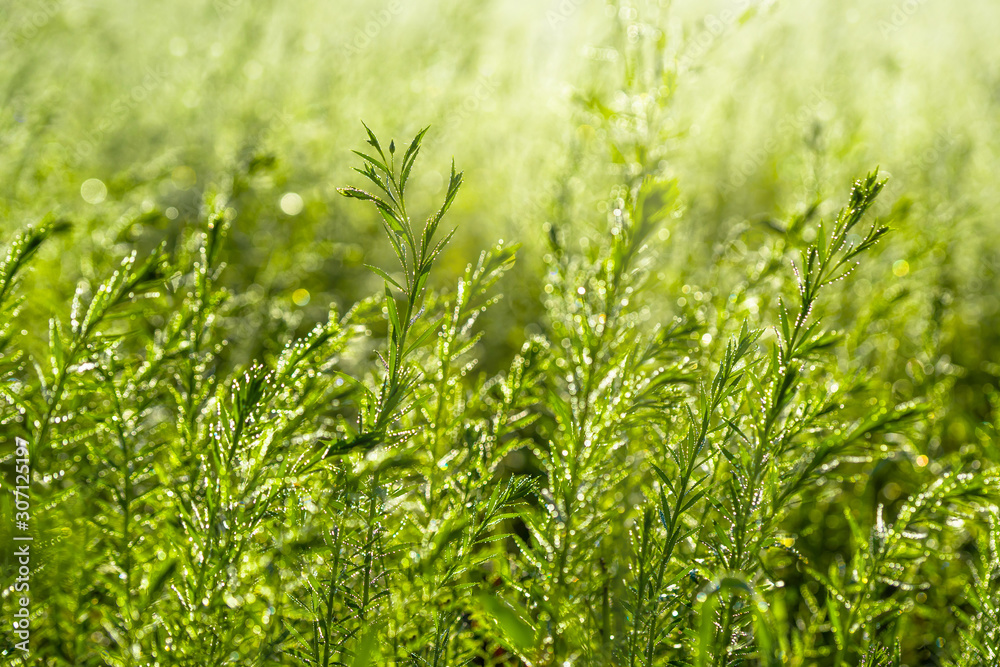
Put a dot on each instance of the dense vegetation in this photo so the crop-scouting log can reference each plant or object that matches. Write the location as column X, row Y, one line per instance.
column 730, row 398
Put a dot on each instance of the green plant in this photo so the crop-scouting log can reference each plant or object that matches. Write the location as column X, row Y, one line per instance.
column 712, row 421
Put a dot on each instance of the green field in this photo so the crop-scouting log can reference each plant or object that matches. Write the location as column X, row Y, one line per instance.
column 556, row 333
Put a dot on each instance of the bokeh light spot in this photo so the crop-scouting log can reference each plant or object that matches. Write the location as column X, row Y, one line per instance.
column 291, row 203
column 93, row 191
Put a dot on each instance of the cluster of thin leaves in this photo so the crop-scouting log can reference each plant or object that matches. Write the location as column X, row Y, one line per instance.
column 626, row 492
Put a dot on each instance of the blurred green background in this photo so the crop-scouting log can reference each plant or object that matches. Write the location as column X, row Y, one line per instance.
column 119, row 117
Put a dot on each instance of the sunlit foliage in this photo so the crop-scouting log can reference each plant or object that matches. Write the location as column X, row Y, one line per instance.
column 718, row 403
